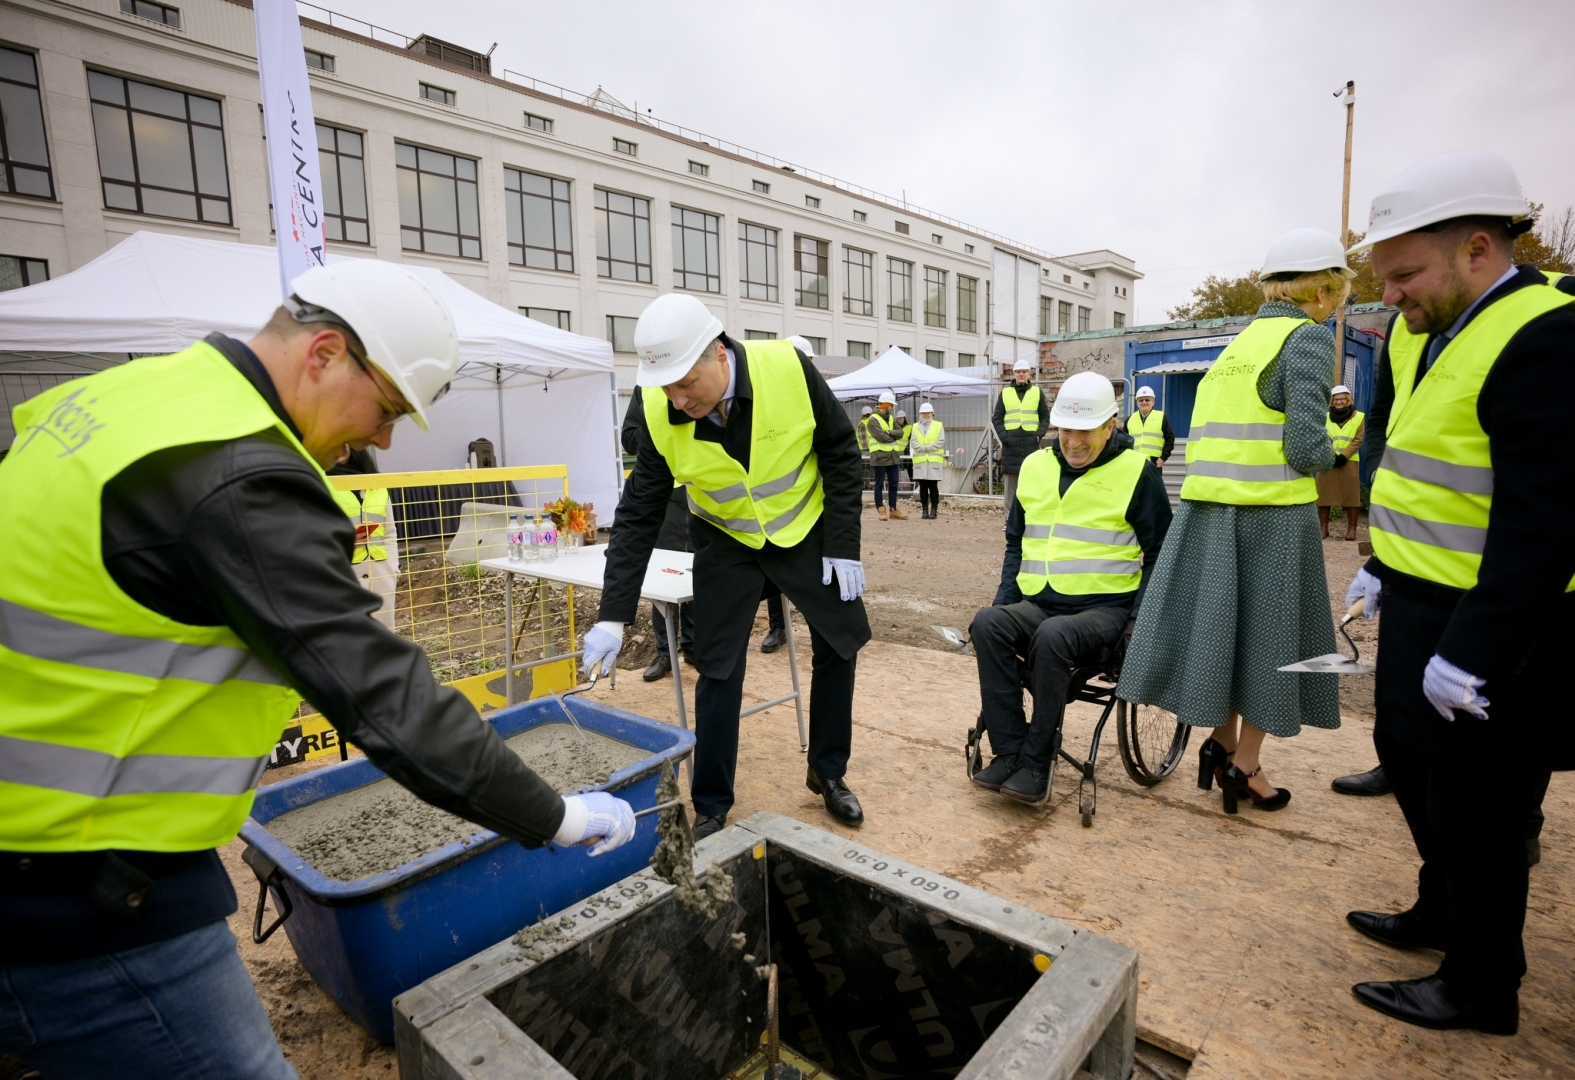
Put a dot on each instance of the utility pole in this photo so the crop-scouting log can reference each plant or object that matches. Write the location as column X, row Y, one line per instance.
column 1349, row 93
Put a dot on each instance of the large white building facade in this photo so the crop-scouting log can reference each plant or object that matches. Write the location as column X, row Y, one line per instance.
column 123, row 115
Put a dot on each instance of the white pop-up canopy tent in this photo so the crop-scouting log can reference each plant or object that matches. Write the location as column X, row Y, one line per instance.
column 902, row 374
column 542, row 395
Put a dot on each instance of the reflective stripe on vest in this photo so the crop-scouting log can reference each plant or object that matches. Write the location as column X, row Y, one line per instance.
column 1342, row 434
column 1148, row 432
column 370, row 508
column 1432, row 496
column 1236, row 448
column 1022, row 413
column 1081, row 544
column 931, row 451
column 780, row 497
column 119, row 727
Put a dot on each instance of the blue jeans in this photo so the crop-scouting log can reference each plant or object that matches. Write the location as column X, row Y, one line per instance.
column 884, row 475
column 181, row 1007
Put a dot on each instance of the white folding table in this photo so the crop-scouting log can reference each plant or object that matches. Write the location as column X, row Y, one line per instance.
column 669, row 581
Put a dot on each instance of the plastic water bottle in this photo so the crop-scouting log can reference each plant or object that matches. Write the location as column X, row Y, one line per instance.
column 515, row 554
column 547, row 539
column 528, row 541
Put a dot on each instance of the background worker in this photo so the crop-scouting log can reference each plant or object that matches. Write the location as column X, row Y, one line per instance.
column 775, row 494
column 1342, row 485
column 173, row 583
column 886, row 437
column 861, row 429
column 927, row 443
column 1472, row 564
column 375, row 557
column 902, row 445
column 1240, row 588
column 1021, row 417
column 1071, row 579
column 1150, row 430
column 674, row 536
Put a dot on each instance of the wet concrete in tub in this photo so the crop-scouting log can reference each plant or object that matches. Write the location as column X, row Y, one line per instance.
column 373, row 829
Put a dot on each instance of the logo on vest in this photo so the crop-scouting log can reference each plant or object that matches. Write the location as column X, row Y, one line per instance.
column 69, row 423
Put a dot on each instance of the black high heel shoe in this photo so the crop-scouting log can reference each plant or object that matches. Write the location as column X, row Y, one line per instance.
column 1212, row 762
column 1234, row 784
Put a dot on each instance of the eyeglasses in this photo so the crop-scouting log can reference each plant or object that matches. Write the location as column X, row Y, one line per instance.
column 391, row 413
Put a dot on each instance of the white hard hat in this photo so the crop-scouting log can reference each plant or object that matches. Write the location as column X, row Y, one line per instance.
column 1022, row 365
column 1466, row 182
column 887, row 398
column 402, row 322
column 865, row 411
column 902, row 413
column 926, row 407
column 1086, row 400
column 801, row 343
column 672, row 333
column 1143, row 391
column 1340, row 390
column 1303, row 250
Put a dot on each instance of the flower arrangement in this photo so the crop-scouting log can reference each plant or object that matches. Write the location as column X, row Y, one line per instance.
column 573, row 518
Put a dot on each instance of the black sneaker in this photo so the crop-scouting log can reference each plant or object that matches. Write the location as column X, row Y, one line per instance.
column 1027, row 784
column 993, row 775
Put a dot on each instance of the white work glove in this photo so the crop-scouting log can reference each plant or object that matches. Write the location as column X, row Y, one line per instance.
column 602, row 643
column 1448, row 688
column 850, row 576
column 596, row 814
column 1369, row 589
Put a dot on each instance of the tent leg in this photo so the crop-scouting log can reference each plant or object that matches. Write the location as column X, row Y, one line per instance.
column 503, row 446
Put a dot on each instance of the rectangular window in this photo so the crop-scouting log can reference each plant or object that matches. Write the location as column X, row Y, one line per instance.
column 965, row 359
column 341, row 157
column 759, row 335
column 439, row 208
column 540, row 123
column 697, row 250
column 859, row 215
column 620, row 331
column 1118, row 319
column 762, row 187
column 24, row 152
column 319, row 61
column 899, row 290
column 812, row 263
column 967, row 249
column 699, row 168
column 159, row 13
column 623, row 237
column 935, row 357
column 1063, row 321
column 936, row 238
column 812, row 202
column 624, row 146
column 437, row 94
column 540, row 233
column 550, row 316
column 934, row 297
column 817, row 344
column 757, row 262
column 17, row 272
column 858, row 290
column 1084, row 315
column 859, row 349
column 1066, row 279
column 160, row 151
column 1046, row 314
column 902, row 227
column 967, row 304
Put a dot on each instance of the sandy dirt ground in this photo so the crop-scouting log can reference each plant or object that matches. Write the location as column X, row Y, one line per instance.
column 1246, row 961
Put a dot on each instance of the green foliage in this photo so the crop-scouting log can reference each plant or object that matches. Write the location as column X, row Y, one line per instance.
column 1220, row 298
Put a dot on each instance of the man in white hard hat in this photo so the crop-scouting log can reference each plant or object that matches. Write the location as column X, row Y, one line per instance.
column 1471, row 520
column 1082, row 533
column 886, row 436
column 775, row 491
column 177, row 574
column 1150, row 429
column 1021, row 419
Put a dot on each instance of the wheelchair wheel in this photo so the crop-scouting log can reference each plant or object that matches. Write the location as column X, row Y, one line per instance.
column 1152, row 741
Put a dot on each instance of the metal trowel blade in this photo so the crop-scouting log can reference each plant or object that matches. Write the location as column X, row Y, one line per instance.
column 1330, row 664
column 953, row 635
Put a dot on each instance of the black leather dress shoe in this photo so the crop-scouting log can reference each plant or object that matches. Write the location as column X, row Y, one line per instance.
column 706, row 826
column 1372, row 782
column 841, row 803
column 1430, row 1003
column 774, row 640
column 1403, row 930
column 998, row 772
column 659, row 669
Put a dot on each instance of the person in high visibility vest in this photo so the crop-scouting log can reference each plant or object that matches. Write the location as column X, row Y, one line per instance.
column 1342, row 485
column 1021, row 418
column 776, row 491
column 374, row 558
column 1471, row 519
column 1150, row 429
column 177, row 575
column 885, row 442
column 927, row 441
column 862, row 428
column 1240, row 589
column 1082, row 537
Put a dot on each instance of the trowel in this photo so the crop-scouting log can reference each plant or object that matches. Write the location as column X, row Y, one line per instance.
column 953, row 636
column 1337, row 663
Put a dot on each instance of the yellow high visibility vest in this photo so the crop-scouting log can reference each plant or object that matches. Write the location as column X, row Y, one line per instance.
column 119, row 727
column 931, row 450
column 901, row 444
column 780, row 497
column 1236, row 451
column 1433, row 492
column 1083, row 543
column 1148, row 433
column 862, row 430
column 1342, row 434
column 1022, row 413
column 370, row 509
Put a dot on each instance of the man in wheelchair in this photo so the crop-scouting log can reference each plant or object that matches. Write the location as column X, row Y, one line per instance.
column 1082, row 535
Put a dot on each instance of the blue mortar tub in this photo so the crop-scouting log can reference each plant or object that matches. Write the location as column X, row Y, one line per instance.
column 366, row 941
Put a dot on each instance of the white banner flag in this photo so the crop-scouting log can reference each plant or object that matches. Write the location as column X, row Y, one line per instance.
column 293, row 170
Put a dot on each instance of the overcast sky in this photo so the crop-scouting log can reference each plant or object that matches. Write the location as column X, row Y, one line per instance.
column 1184, row 135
